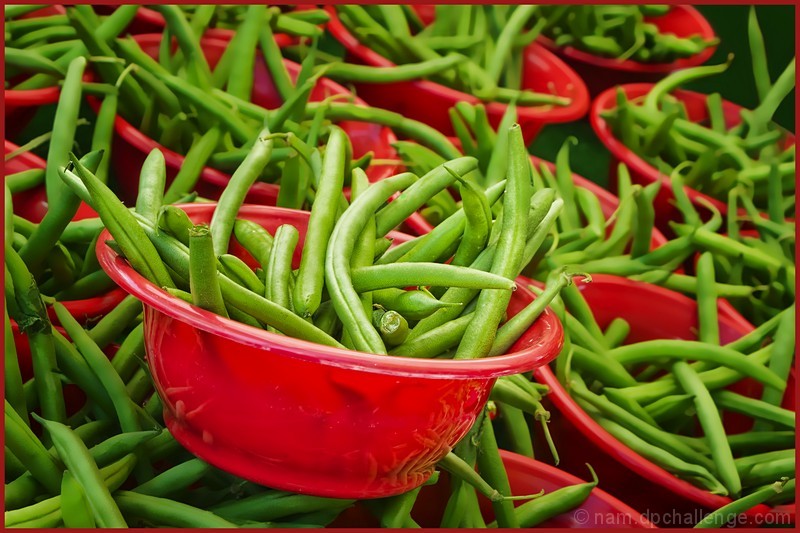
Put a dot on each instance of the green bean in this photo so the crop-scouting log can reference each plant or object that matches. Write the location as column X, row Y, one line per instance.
column 753, row 408
column 113, row 324
column 123, row 225
column 12, row 377
column 435, row 341
column 175, row 479
column 412, row 304
column 393, row 328
column 516, row 429
column 274, row 60
column 782, row 356
column 477, row 341
column 176, row 222
column 679, row 349
column 708, row 321
column 406, row 274
column 311, row 276
column 492, row 469
column 653, row 435
column 337, row 271
column 24, row 444
column 74, row 505
column 708, row 414
column 203, row 281
column 511, row 330
column 726, row 513
column 394, row 74
column 396, row 509
column 418, row 194
column 276, row 504
column 34, row 322
column 616, row 332
column 237, row 270
column 166, row 512
column 60, row 212
column 233, row 196
column 760, row 441
column 255, row 239
column 664, row 459
column 608, row 371
column 279, row 268
column 78, row 460
column 533, row 513
column 406, row 127
column 193, row 165
column 102, row 368
column 25, row 180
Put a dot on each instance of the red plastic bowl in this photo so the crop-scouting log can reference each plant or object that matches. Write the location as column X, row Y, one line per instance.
column 429, row 102
column 131, row 146
column 21, row 106
column 653, row 313
column 608, row 202
column 526, row 476
column 303, row 417
column 641, row 171
column 32, row 205
column 600, row 73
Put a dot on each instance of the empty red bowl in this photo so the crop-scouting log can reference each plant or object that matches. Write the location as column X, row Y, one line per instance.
column 299, row 416
column 429, row 102
column 525, row 476
column 131, row 146
column 653, row 313
column 32, row 205
column 643, row 172
column 600, row 73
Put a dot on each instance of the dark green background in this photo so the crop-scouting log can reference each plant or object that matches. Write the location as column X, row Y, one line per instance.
column 590, row 158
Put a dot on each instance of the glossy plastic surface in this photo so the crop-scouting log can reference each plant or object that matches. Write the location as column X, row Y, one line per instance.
column 32, row 205
column 303, row 417
column 643, row 172
column 601, row 73
column 525, row 476
column 429, row 102
column 131, row 146
column 653, row 313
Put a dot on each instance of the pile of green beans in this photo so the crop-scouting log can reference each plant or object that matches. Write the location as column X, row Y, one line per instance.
column 358, row 272
column 475, row 49
column 582, row 236
column 39, row 49
column 207, row 115
column 231, row 16
column 618, row 31
column 73, row 473
column 665, row 399
column 761, row 259
column 713, row 156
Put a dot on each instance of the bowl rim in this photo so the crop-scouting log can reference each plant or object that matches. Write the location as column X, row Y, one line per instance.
column 702, row 26
column 545, row 349
column 617, row 450
column 575, row 110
